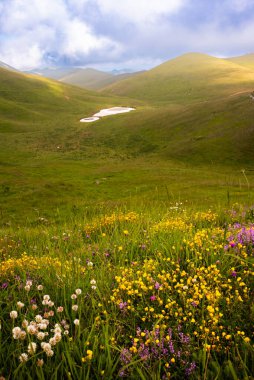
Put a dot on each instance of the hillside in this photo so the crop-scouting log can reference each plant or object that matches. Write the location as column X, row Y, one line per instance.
column 187, row 79
column 48, row 157
column 93, row 79
column 7, row 67
column 246, row 60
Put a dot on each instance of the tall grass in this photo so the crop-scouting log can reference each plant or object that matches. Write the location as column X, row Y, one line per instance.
column 139, row 295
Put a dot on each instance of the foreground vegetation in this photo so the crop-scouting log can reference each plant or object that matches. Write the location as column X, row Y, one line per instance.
column 140, row 295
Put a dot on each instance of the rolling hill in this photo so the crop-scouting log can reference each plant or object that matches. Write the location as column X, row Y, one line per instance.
column 246, row 60
column 200, row 142
column 187, row 79
column 93, row 79
column 87, row 78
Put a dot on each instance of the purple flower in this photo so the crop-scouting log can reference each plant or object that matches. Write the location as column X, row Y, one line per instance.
column 157, row 285
column 233, row 273
column 194, row 304
column 4, row 285
column 153, row 298
column 122, row 305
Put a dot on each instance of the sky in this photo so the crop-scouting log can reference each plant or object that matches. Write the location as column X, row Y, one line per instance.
column 118, row 34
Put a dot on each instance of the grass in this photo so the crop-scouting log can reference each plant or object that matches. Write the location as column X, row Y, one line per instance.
column 159, row 290
column 148, row 213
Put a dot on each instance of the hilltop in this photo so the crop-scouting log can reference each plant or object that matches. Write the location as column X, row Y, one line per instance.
column 190, row 78
column 246, row 60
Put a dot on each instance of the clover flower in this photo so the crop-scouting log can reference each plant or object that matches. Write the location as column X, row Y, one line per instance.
column 14, row 314
column 23, row 358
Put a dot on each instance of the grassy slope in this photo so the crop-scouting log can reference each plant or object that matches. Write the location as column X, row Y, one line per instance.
column 190, row 78
column 93, row 79
column 159, row 152
column 246, row 60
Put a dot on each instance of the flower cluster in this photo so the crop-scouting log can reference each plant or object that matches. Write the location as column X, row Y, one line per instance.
column 171, row 348
column 40, row 333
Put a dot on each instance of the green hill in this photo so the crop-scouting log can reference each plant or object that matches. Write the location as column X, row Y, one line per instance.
column 93, row 79
column 246, row 60
column 49, row 160
column 187, row 79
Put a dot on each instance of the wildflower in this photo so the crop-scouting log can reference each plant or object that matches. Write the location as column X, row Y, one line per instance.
column 29, row 283
column 20, row 304
column 40, row 362
column 93, row 282
column 16, row 332
column 23, row 358
column 78, row 291
column 14, row 314
column 90, row 264
column 34, row 307
column 60, row 309
column 27, row 288
column 32, row 348
column 73, row 296
column 38, row 318
column 153, row 298
column 89, row 354
column 93, row 287
column 74, row 307
column 40, row 335
column 46, row 297
column 40, row 287
column 76, row 322
column 126, row 232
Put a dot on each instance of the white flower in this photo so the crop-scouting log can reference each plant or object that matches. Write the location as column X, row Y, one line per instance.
column 14, row 314
column 90, row 264
column 49, row 353
column 46, row 297
column 40, row 335
column 31, row 348
column 66, row 332
column 34, row 307
column 38, row 318
column 42, row 326
column 20, row 304
column 22, row 335
column 31, row 329
column 29, row 283
column 52, row 341
column 93, row 287
column 93, row 282
column 25, row 323
column 50, row 303
column 23, row 358
column 74, row 307
column 73, row 296
column 76, row 322
column 78, row 291
column 57, row 337
column 40, row 287
column 27, row 288
column 16, row 332
column 45, row 346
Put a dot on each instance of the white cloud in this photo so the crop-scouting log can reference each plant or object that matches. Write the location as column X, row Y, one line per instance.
column 32, row 30
column 140, row 10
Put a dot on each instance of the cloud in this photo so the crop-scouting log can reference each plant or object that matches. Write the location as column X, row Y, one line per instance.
column 37, row 32
column 124, row 33
column 140, row 10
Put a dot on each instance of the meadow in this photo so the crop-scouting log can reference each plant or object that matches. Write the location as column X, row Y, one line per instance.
column 161, row 293
column 126, row 246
